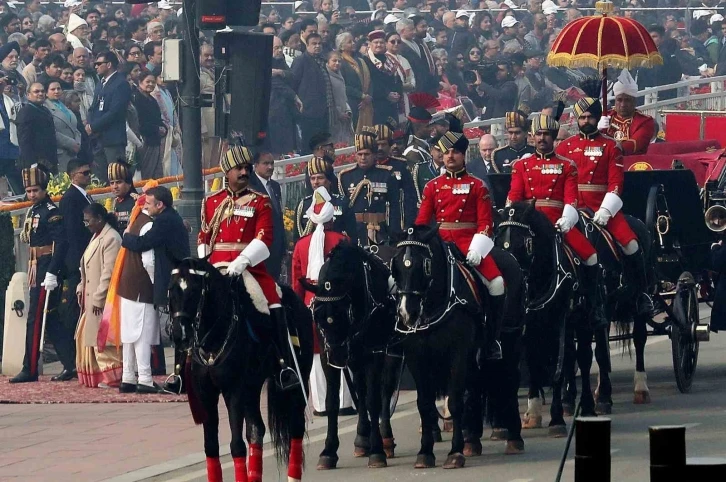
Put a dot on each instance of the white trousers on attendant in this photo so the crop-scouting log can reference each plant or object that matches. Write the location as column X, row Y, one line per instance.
column 318, row 387
column 137, row 356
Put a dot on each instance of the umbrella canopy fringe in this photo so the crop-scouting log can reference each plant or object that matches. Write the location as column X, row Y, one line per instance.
column 565, row 59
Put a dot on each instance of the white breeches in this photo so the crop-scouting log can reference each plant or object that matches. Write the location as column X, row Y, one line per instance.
column 318, row 387
column 495, row 286
column 631, row 248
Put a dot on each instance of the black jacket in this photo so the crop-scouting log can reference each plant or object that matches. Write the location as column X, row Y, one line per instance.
column 309, row 82
column 277, row 250
column 36, row 137
column 282, row 114
column 382, row 84
column 170, row 241
column 71, row 207
column 107, row 114
column 425, row 81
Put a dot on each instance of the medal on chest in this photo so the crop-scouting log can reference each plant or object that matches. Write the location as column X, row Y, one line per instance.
column 552, row 169
column 337, row 211
column 36, row 222
column 461, row 188
column 244, row 211
column 594, row 151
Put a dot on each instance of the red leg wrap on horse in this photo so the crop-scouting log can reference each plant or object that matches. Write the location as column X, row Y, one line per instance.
column 255, row 463
column 214, row 469
column 294, row 467
column 240, row 469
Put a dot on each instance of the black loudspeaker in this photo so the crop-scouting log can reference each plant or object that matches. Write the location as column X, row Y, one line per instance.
column 217, row 14
column 242, row 93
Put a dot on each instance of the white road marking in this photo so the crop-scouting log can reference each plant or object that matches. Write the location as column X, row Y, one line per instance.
column 521, row 480
column 270, row 453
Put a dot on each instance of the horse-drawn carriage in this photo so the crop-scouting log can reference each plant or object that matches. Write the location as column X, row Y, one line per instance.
column 673, row 205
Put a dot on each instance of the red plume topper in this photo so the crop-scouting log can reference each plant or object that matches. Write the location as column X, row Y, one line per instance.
column 423, row 100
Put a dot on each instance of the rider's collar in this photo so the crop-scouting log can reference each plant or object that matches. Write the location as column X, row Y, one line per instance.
column 456, row 175
column 546, row 155
column 588, row 136
column 520, row 149
column 235, row 194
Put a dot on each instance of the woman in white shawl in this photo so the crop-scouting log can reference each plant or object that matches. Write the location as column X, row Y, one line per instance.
column 404, row 71
column 341, row 128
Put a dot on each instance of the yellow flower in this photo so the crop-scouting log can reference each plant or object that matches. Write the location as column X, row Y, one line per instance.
column 108, row 204
column 216, row 184
column 16, row 222
column 175, row 192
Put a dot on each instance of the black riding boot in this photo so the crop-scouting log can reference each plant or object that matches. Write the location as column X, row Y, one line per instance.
column 287, row 379
column 593, row 292
column 644, row 304
column 493, row 348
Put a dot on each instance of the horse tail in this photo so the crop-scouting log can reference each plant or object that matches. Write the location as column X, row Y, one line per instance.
column 199, row 413
column 623, row 330
column 281, row 408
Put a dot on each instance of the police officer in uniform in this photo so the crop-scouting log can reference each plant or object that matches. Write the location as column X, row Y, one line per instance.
column 424, row 171
column 406, row 189
column 372, row 191
column 122, row 186
column 43, row 231
column 321, row 174
column 516, row 125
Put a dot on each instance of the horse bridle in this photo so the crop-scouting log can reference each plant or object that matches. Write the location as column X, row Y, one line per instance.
column 407, row 264
column 209, row 359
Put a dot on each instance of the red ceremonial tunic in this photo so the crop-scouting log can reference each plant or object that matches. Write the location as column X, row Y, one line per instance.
column 460, row 204
column 551, row 180
column 300, row 269
column 634, row 134
column 229, row 222
column 599, row 160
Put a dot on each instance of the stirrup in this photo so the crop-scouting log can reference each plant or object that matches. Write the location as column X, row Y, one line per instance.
column 494, row 350
column 287, row 379
column 172, row 378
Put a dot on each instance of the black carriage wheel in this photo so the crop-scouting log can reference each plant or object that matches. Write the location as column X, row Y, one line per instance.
column 651, row 211
column 684, row 343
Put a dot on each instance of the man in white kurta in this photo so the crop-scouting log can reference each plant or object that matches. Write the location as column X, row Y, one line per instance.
column 139, row 319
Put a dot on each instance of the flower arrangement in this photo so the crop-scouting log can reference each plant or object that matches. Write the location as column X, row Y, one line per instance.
column 59, row 184
column 288, row 222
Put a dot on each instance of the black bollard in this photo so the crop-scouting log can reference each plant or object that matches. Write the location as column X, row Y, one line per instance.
column 592, row 449
column 667, row 452
column 705, row 468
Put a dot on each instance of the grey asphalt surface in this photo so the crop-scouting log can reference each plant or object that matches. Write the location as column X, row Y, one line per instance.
column 703, row 411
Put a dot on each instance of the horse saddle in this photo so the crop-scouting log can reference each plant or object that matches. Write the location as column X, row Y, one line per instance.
column 471, row 277
column 594, row 232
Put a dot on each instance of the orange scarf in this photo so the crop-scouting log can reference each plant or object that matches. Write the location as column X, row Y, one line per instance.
column 109, row 331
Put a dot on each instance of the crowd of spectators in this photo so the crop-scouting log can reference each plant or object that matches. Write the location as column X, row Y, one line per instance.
column 82, row 79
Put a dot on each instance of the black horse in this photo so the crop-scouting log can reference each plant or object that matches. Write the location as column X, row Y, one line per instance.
column 355, row 316
column 551, row 274
column 620, row 306
column 229, row 348
column 440, row 309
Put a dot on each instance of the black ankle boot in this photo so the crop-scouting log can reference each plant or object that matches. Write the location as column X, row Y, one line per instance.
column 493, row 347
column 643, row 303
column 593, row 292
column 287, row 379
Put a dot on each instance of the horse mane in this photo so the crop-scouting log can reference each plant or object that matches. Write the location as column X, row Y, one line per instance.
column 343, row 257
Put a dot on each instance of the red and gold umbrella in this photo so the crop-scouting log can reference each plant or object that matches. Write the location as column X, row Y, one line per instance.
column 601, row 42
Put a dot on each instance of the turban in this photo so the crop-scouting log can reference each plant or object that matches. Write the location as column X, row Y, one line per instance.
column 544, row 123
column 383, row 132
column 376, row 34
column 366, row 140
column 625, row 85
column 453, row 140
column 317, row 165
column 120, row 171
column 235, row 156
column 35, row 176
column 588, row 104
column 515, row 119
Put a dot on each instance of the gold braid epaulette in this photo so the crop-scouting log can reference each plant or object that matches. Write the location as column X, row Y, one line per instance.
column 358, row 189
column 27, row 227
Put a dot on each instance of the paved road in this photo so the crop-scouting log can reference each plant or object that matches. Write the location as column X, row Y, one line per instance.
column 703, row 411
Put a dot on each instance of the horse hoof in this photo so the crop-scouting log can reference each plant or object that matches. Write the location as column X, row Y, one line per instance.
column 604, row 408
column 377, row 461
column 437, row 436
column 388, row 447
column 640, row 398
column 568, row 409
column 531, row 422
column 499, row 434
column 455, row 461
column 472, row 449
column 360, row 452
column 557, row 431
column 514, row 447
column 326, row 462
column 448, row 426
column 425, row 461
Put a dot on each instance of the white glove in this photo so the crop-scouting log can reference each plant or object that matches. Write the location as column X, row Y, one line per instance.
column 237, row 266
column 202, row 251
column 601, row 217
column 604, row 123
column 473, row 258
column 50, row 282
column 564, row 224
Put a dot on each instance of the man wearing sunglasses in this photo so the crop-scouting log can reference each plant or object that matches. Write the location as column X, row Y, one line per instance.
column 74, row 200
